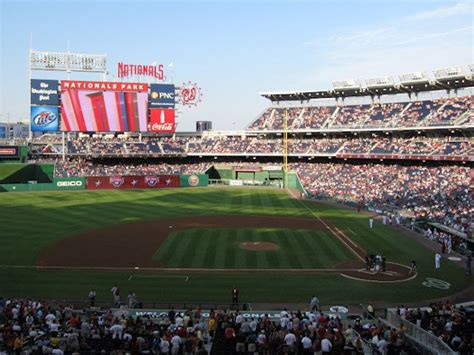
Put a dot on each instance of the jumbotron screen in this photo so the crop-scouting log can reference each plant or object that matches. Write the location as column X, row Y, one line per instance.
column 88, row 106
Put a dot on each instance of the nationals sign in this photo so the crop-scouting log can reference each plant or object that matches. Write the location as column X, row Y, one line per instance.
column 162, row 120
column 102, row 86
column 155, row 71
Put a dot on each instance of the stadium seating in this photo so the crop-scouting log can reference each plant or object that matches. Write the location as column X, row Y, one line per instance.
column 39, row 328
column 426, row 113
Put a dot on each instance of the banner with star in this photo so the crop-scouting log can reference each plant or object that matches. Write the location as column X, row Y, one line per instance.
column 131, row 182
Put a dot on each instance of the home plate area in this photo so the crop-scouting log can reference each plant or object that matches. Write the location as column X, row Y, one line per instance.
column 394, row 273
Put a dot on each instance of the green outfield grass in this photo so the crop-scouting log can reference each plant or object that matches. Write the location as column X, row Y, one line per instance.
column 219, row 249
column 30, row 222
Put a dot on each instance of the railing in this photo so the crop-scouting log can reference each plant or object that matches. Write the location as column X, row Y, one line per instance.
column 103, row 304
column 431, row 343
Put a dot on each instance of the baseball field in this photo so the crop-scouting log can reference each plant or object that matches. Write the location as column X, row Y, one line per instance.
column 195, row 244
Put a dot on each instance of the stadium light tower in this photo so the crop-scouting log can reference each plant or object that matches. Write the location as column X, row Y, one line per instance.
column 471, row 68
column 67, row 62
column 448, row 73
column 413, row 78
column 346, row 84
column 379, row 82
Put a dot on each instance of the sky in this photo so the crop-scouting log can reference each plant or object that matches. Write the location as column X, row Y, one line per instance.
column 235, row 49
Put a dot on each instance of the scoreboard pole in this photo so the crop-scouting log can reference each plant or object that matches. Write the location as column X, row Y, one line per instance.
column 285, row 153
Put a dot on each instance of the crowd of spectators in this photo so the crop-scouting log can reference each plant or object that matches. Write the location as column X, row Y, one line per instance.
column 444, row 111
column 351, row 116
column 84, row 167
column 315, row 117
column 440, row 193
column 444, row 320
column 32, row 326
column 450, row 110
column 41, row 329
column 382, row 115
column 261, row 144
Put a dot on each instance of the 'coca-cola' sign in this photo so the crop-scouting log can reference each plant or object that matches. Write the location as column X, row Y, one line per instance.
column 162, row 120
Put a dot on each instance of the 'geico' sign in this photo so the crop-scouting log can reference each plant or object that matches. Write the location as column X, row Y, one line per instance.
column 68, row 183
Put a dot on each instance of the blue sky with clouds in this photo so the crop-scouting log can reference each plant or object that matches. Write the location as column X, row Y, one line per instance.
column 235, row 49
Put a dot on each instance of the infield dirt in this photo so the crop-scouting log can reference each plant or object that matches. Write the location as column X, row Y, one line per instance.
column 132, row 245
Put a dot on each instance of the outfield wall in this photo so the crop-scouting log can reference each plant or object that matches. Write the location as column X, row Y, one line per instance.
column 111, row 182
column 59, row 184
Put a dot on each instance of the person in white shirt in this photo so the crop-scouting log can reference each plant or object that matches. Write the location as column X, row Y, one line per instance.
column 382, row 345
column 175, row 342
column 50, row 318
column 179, row 321
column 54, row 327
column 116, row 330
column 326, row 346
column 15, row 313
column 164, row 346
column 239, row 319
column 307, row 344
column 437, row 261
column 290, row 340
column 262, row 339
column 284, row 322
column 371, row 222
column 253, row 325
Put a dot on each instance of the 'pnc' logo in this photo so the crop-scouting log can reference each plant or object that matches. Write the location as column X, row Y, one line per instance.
column 162, row 95
column 68, row 183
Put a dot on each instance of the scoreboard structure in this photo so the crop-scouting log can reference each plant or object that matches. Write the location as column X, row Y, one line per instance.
column 99, row 106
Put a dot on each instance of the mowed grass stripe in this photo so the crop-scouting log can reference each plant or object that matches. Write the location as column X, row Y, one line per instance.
column 286, row 254
column 306, row 251
column 252, row 236
column 240, row 254
column 221, row 239
column 166, row 250
column 331, row 249
column 296, row 252
column 181, row 253
column 196, row 241
column 231, row 246
column 199, row 254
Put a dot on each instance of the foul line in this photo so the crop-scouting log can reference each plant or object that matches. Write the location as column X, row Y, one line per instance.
column 185, row 277
column 335, row 232
column 350, row 230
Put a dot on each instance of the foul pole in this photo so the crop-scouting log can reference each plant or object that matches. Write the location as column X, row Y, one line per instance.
column 285, row 153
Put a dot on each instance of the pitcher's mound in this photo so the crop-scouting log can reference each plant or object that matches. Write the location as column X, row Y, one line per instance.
column 259, row 246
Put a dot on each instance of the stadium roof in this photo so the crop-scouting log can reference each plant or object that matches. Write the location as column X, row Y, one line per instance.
column 412, row 83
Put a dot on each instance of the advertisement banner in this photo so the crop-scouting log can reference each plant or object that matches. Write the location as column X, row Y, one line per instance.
column 193, row 180
column 162, row 96
column 44, row 118
column 70, row 183
column 9, row 151
column 132, row 182
column 3, row 131
column 44, row 92
column 84, row 110
column 103, row 86
column 162, row 120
